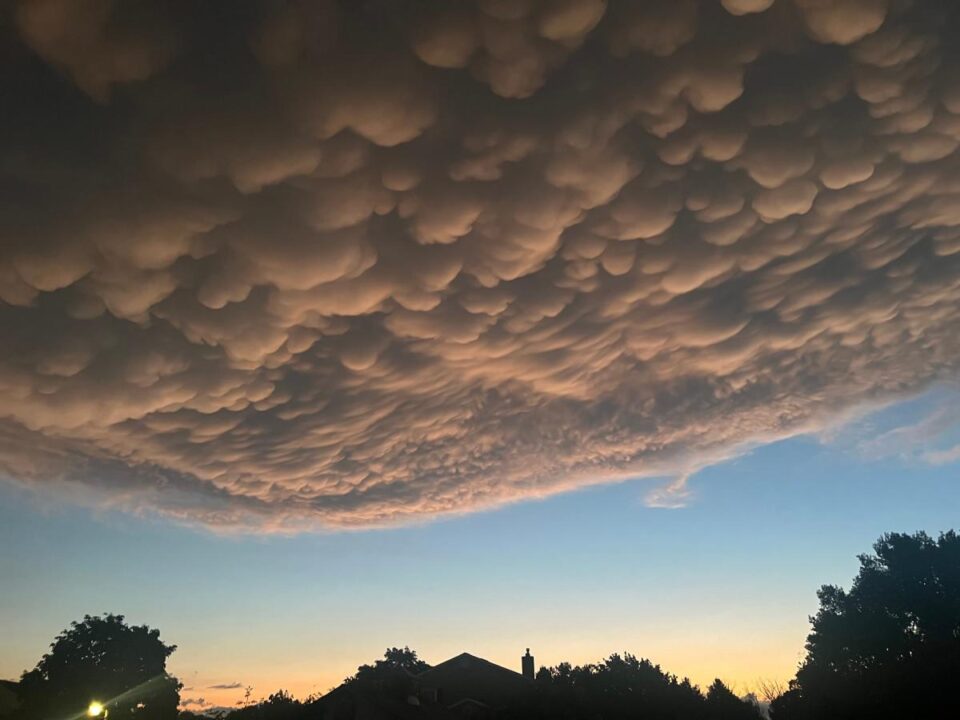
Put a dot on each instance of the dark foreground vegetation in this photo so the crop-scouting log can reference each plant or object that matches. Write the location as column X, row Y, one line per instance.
column 887, row 648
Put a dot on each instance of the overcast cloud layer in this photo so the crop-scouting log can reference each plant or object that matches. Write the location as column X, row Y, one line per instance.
column 322, row 264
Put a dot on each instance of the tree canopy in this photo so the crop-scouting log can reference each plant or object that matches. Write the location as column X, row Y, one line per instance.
column 278, row 706
column 890, row 646
column 723, row 704
column 394, row 659
column 393, row 674
column 624, row 686
column 102, row 659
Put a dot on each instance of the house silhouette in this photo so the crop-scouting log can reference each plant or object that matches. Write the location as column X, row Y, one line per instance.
column 8, row 697
column 465, row 687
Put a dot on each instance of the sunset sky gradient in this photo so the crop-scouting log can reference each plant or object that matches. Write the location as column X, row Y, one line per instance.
column 583, row 325
column 722, row 587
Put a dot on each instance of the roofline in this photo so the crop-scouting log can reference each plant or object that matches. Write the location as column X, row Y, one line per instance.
column 461, row 701
column 472, row 657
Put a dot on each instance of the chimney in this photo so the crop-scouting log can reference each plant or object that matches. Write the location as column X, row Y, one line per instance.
column 527, row 664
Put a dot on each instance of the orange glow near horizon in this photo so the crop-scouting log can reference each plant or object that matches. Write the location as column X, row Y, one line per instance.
column 740, row 665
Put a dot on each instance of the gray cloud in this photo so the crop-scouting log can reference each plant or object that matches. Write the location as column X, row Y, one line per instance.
column 337, row 264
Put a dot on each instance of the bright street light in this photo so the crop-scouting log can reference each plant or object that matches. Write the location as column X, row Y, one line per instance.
column 95, row 709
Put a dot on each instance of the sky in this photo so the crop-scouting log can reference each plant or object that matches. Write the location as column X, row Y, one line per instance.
column 350, row 294
column 721, row 587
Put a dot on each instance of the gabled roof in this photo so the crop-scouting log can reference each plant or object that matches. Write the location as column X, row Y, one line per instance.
column 9, row 700
column 468, row 701
column 466, row 659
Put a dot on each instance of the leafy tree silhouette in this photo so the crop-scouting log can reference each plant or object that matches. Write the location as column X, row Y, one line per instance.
column 890, row 647
column 281, row 705
column 623, row 686
column 723, row 704
column 394, row 659
column 620, row 687
column 102, row 658
column 392, row 675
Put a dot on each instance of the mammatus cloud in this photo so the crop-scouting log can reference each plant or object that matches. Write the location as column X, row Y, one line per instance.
column 306, row 264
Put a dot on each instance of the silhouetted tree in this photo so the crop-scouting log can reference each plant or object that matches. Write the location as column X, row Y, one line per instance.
column 281, row 705
column 723, row 704
column 190, row 715
column 392, row 675
column 622, row 686
column 103, row 659
column 403, row 659
column 769, row 689
column 890, row 647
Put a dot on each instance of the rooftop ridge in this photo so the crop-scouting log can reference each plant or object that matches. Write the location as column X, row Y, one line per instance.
column 471, row 656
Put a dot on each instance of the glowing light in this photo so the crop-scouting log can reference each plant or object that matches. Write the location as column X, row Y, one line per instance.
column 95, row 709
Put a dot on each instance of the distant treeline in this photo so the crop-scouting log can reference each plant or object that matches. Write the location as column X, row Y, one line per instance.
column 619, row 686
column 622, row 686
column 887, row 648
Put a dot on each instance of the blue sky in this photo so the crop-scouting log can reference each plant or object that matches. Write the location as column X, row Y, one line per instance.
column 721, row 587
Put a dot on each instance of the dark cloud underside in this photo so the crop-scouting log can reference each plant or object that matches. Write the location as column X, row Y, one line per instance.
column 322, row 264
